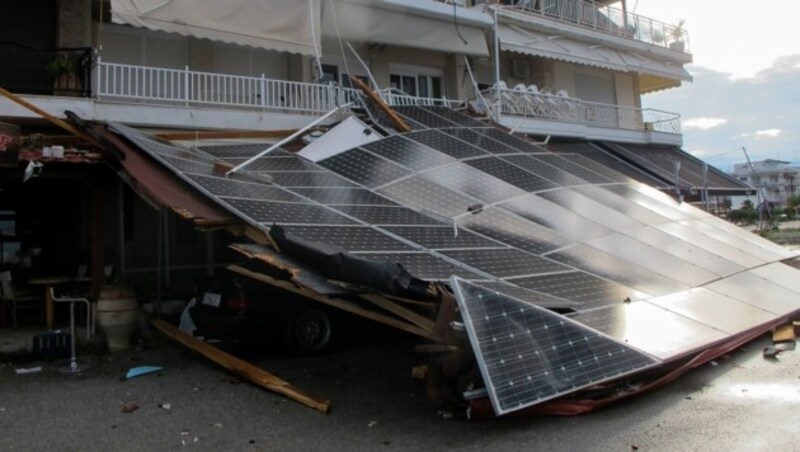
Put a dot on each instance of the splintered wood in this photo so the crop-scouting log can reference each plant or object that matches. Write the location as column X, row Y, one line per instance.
column 243, row 368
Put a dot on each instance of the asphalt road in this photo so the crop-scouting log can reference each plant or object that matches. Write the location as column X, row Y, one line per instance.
column 744, row 403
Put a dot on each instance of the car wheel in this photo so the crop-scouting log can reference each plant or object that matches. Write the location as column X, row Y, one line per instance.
column 309, row 332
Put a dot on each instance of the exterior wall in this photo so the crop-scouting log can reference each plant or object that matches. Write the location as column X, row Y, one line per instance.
column 777, row 179
column 74, row 23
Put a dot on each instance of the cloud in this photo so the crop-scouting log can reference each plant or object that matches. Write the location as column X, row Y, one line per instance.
column 703, row 123
column 771, row 133
column 759, row 112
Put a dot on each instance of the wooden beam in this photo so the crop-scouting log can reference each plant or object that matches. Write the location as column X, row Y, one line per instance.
column 240, row 367
column 401, row 311
column 397, row 120
column 50, row 118
column 339, row 303
column 225, row 134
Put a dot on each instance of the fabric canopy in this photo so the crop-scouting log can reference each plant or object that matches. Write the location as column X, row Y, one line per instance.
column 383, row 22
column 516, row 39
column 283, row 25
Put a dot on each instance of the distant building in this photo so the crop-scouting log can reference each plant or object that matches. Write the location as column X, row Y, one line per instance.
column 777, row 179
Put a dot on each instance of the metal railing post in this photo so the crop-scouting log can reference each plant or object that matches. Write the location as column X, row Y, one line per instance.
column 186, row 84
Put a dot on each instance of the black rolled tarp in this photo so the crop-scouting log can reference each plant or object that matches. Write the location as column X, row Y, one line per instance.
column 339, row 265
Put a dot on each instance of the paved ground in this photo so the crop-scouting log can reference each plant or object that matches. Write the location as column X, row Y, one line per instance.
column 744, row 403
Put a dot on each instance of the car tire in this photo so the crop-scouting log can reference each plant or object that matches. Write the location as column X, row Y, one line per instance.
column 309, row 332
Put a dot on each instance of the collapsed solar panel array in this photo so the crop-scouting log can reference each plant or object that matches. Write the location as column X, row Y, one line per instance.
column 646, row 279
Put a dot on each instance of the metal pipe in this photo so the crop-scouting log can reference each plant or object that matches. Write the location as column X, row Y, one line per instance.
column 287, row 139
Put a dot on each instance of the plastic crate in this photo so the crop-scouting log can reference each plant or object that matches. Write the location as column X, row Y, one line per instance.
column 52, row 345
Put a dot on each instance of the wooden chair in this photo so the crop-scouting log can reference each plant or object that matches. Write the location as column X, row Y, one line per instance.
column 18, row 300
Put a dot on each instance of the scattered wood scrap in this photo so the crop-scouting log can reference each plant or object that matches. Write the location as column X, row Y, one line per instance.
column 243, row 368
column 783, row 333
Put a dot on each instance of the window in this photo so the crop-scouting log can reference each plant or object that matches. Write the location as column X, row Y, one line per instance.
column 422, row 82
column 330, row 74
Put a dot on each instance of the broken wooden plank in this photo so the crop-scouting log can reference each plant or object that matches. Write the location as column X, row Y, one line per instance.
column 436, row 348
column 339, row 303
column 243, row 368
column 224, row 134
column 397, row 120
column 50, row 118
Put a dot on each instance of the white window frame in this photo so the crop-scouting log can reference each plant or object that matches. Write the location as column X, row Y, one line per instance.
column 408, row 70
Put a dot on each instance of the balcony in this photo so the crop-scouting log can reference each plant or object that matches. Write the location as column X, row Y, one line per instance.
column 544, row 113
column 609, row 20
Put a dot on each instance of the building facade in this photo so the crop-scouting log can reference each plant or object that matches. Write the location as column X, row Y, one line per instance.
column 777, row 180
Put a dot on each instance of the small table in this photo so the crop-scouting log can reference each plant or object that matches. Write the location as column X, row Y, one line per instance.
column 48, row 282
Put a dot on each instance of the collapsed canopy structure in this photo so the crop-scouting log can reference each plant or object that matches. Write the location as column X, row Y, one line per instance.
column 566, row 274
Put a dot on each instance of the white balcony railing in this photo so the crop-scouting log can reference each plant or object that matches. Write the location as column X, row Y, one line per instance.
column 144, row 84
column 562, row 108
column 183, row 87
column 610, row 20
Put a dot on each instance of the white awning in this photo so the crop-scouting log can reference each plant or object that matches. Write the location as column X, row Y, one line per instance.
column 516, row 39
column 282, row 25
column 412, row 23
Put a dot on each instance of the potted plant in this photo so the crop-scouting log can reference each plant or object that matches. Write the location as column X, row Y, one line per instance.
column 676, row 34
column 62, row 69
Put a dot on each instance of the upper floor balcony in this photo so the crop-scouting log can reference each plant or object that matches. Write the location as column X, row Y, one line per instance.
column 529, row 110
column 611, row 20
column 165, row 97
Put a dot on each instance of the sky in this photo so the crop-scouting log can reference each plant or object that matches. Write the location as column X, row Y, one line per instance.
column 746, row 70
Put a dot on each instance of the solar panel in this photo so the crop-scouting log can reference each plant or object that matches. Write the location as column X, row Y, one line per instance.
column 441, row 237
column 350, row 238
column 446, row 144
column 511, row 140
column 581, row 287
column 308, row 179
column 386, row 215
column 615, row 269
column 513, row 230
column 423, row 265
column 269, row 212
column 538, row 167
column 505, row 262
column 274, row 163
column 342, row 196
column 528, row 354
column 481, row 141
column 456, row 117
column 422, row 194
column 557, row 218
column 408, row 153
column 511, row 173
column 364, row 168
column 235, row 150
column 473, row 182
column 222, row 186
column 573, row 168
column 424, row 117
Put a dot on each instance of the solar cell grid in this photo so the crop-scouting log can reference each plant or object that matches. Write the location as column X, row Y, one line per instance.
column 505, row 262
column 481, row 141
column 285, row 213
column 456, row 117
column 349, row 238
column 473, row 182
column 364, row 168
column 424, row 117
column 538, row 167
column 408, row 153
column 446, row 144
column 528, row 354
column 422, row 194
